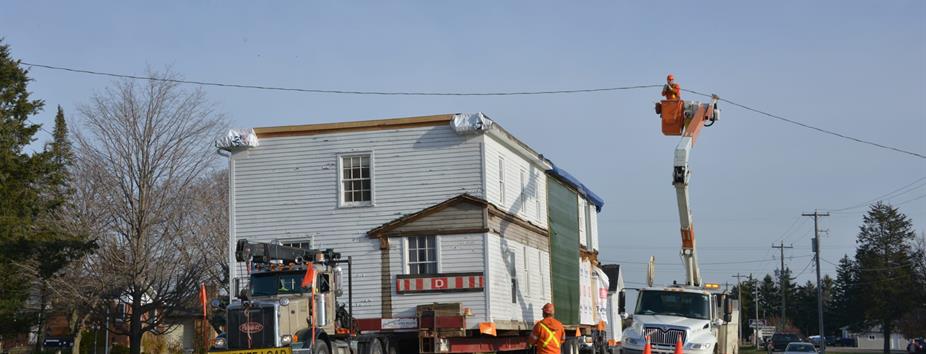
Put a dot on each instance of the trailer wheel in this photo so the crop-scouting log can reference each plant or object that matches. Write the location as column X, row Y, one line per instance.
column 570, row 347
column 321, row 347
column 376, row 347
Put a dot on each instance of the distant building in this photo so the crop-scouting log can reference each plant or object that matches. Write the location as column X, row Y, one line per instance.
column 873, row 338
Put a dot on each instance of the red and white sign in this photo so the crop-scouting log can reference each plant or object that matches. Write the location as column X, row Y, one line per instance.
column 251, row 327
column 450, row 282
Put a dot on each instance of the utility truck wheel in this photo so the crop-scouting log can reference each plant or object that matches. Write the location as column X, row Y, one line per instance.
column 376, row 347
column 321, row 347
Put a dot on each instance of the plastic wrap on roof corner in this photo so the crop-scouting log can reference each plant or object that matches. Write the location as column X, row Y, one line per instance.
column 237, row 139
column 575, row 183
column 471, row 123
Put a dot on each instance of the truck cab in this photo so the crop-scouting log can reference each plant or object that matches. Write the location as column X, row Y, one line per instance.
column 702, row 319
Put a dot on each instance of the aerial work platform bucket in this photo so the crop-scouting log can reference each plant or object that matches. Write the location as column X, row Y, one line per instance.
column 673, row 116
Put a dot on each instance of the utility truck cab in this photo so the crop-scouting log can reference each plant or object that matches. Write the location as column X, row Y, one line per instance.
column 702, row 318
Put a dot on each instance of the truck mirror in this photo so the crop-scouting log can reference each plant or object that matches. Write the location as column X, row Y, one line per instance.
column 727, row 317
column 621, row 302
column 728, row 307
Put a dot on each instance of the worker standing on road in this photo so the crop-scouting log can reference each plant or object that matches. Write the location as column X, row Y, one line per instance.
column 671, row 90
column 548, row 334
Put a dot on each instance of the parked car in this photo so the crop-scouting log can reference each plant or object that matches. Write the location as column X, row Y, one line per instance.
column 780, row 341
column 917, row 345
column 800, row 348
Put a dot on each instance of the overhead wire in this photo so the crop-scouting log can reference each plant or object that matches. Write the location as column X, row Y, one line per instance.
column 889, row 195
column 808, row 126
column 344, row 92
column 424, row 93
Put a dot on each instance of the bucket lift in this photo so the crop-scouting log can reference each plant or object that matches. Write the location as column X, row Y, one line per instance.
column 685, row 119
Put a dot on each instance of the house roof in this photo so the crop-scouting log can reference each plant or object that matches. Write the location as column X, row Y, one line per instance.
column 361, row 125
column 392, row 225
column 424, row 121
column 387, row 228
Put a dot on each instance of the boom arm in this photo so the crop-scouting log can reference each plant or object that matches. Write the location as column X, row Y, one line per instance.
column 692, row 116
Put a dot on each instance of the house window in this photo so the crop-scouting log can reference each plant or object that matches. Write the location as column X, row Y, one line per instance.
column 501, row 180
column 356, row 180
column 422, row 255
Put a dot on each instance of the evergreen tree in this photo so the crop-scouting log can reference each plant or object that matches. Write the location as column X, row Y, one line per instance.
column 843, row 310
column 21, row 175
column 769, row 298
column 805, row 309
column 887, row 286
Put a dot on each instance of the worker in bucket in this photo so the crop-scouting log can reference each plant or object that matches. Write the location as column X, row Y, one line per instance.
column 671, row 89
column 548, row 334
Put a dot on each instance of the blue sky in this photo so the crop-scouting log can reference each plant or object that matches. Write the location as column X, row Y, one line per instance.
column 856, row 67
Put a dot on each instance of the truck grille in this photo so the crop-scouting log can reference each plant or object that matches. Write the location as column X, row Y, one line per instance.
column 258, row 320
column 659, row 336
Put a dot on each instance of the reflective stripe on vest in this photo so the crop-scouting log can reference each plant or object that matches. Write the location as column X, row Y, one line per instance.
column 550, row 335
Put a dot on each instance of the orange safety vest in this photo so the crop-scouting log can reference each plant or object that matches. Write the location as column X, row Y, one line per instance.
column 671, row 92
column 550, row 335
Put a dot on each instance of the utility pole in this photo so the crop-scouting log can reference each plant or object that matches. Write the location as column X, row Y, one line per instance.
column 739, row 302
column 755, row 289
column 816, row 249
column 781, row 282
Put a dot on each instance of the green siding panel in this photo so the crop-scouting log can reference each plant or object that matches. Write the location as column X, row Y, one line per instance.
column 564, row 248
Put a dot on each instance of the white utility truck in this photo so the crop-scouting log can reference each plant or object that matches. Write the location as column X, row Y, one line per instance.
column 700, row 316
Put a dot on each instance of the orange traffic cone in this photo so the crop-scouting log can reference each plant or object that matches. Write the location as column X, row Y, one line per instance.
column 679, row 345
column 647, row 349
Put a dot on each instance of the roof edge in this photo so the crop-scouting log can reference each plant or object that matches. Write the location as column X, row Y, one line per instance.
column 361, row 125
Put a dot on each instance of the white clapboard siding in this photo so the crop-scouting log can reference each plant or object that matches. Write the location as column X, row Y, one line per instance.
column 530, row 202
column 504, row 255
column 286, row 189
column 456, row 254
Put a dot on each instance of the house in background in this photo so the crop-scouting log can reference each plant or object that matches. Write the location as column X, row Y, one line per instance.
column 873, row 338
column 447, row 208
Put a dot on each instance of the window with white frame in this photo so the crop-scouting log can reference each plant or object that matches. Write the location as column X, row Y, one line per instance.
column 501, row 180
column 355, row 175
column 422, row 254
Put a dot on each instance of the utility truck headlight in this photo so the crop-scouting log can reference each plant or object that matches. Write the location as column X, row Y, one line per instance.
column 220, row 343
column 697, row 346
column 633, row 341
column 286, row 339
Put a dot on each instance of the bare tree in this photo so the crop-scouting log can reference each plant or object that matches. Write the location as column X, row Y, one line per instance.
column 146, row 145
column 210, row 204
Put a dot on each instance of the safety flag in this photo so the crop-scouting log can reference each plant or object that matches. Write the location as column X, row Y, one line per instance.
column 202, row 297
column 308, row 281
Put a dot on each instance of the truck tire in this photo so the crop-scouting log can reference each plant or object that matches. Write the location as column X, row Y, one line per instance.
column 376, row 347
column 321, row 347
column 570, row 347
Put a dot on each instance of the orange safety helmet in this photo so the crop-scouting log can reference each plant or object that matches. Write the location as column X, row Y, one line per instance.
column 670, row 77
column 548, row 308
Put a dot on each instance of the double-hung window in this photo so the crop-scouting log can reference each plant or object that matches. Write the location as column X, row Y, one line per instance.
column 355, row 180
column 422, row 254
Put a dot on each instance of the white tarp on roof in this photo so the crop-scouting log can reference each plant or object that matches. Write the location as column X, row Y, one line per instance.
column 471, row 123
column 237, row 139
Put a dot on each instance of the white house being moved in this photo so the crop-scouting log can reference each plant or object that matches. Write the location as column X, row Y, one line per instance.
column 446, row 208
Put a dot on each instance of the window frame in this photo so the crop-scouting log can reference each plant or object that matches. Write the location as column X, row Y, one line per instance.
column 406, row 262
column 340, row 179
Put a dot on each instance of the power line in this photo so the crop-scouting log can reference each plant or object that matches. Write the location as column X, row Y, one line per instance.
column 423, row 93
column 342, row 92
column 808, row 126
column 899, row 191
